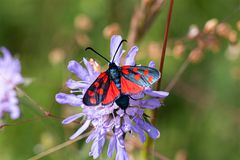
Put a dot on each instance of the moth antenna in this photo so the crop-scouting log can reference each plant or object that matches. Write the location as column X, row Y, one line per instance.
column 118, row 48
column 90, row 48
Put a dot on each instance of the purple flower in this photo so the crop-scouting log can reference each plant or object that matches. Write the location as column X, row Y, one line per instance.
column 10, row 77
column 110, row 119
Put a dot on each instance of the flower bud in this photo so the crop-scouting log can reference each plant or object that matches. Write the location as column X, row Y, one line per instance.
column 201, row 43
column 56, row 56
column 83, row 40
column 210, row 26
column 196, row 55
column 223, row 30
column 154, row 50
column 95, row 65
column 181, row 155
column 111, row 29
column 178, row 49
column 233, row 51
column 212, row 44
column 193, row 32
column 232, row 36
column 83, row 22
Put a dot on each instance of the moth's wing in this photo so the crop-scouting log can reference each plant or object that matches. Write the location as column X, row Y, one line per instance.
column 112, row 94
column 135, row 78
column 96, row 93
column 129, row 87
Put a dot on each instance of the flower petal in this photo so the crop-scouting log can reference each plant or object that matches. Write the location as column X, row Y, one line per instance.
column 120, row 112
column 151, row 64
column 117, row 122
column 72, row 84
column 150, row 103
column 159, row 94
column 152, row 131
column 97, row 146
column 130, row 56
column 88, row 66
column 140, row 132
column 121, row 150
column 126, row 124
column 132, row 110
column 81, row 129
column 92, row 136
column 70, row 99
column 115, row 41
column 111, row 146
column 14, row 111
column 121, row 142
column 138, row 95
column 72, row 118
column 78, row 70
column 6, row 54
column 118, row 132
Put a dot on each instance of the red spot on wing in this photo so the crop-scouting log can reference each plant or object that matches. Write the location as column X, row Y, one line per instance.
column 105, row 79
column 96, row 84
column 125, row 71
column 146, row 72
column 101, row 75
column 150, row 79
column 135, row 69
column 112, row 94
column 125, row 67
column 90, row 93
column 93, row 100
column 100, row 91
column 137, row 77
column 130, row 87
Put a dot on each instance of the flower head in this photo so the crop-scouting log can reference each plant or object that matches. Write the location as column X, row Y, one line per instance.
column 10, row 77
column 110, row 119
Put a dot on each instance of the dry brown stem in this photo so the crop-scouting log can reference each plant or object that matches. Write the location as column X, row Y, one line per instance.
column 142, row 19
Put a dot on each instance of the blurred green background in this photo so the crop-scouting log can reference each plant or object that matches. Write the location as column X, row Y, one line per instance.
column 200, row 119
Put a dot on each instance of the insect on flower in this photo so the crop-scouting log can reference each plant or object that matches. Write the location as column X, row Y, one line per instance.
column 117, row 83
column 125, row 114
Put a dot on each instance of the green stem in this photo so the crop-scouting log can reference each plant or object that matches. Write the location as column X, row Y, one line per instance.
column 58, row 147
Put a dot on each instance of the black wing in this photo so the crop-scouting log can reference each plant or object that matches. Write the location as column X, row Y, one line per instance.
column 96, row 93
column 140, row 75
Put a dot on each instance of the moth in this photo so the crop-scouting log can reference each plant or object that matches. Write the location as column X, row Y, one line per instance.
column 117, row 84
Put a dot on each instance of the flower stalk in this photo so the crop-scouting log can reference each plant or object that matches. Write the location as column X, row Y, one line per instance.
column 149, row 144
